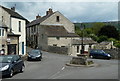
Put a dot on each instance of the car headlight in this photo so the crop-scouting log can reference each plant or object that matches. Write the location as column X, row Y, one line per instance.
column 108, row 55
column 5, row 68
column 38, row 56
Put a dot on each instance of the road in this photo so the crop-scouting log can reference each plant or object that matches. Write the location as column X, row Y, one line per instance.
column 53, row 66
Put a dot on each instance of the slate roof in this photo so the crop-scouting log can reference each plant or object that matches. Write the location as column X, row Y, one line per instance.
column 105, row 43
column 13, row 13
column 38, row 21
column 57, row 31
column 85, row 41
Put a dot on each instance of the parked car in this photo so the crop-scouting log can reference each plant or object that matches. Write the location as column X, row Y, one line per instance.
column 35, row 55
column 96, row 53
column 10, row 64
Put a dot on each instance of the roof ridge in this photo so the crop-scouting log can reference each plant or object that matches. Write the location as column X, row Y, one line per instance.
column 37, row 21
column 13, row 13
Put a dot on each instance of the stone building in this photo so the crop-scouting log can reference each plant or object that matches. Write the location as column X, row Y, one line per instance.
column 52, row 30
column 12, row 31
column 105, row 45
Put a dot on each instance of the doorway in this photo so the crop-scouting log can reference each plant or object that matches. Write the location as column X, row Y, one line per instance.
column 11, row 49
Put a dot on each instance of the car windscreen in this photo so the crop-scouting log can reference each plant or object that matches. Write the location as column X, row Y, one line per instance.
column 35, row 52
column 101, row 51
column 5, row 59
column 97, row 51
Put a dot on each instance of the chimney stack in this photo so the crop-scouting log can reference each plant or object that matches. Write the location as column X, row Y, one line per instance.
column 38, row 17
column 13, row 8
column 49, row 11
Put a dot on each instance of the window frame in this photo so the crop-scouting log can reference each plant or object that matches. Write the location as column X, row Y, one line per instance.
column 57, row 18
column 19, row 26
column 2, row 32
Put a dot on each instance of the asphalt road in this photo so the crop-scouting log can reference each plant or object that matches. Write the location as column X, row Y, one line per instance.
column 53, row 66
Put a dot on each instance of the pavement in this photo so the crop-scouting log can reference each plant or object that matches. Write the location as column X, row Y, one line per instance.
column 53, row 66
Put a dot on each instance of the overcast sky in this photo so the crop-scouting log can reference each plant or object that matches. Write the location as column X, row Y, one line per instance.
column 74, row 11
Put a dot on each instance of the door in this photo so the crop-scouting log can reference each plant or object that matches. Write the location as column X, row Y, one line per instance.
column 11, row 49
column 17, row 63
column 22, row 47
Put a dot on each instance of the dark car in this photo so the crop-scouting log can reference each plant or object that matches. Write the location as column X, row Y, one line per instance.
column 96, row 53
column 10, row 64
column 35, row 55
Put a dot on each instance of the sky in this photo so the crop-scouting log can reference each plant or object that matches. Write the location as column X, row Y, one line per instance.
column 75, row 11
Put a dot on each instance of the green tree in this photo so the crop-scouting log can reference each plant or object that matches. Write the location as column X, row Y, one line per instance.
column 94, row 37
column 117, row 44
column 97, row 27
column 102, row 38
column 109, row 31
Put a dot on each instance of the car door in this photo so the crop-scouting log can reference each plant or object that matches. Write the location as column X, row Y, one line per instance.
column 16, row 63
column 101, row 54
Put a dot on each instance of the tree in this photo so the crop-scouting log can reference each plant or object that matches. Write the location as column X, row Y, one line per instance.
column 97, row 27
column 117, row 44
column 94, row 37
column 102, row 38
column 109, row 31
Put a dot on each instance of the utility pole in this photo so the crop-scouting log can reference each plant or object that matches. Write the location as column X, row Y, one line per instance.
column 82, row 40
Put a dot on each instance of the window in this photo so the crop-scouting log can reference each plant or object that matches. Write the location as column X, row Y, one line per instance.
column 19, row 26
column 57, row 18
column 42, row 36
column 77, row 49
column 1, row 32
column 54, row 44
column 34, row 28
column 2, row 18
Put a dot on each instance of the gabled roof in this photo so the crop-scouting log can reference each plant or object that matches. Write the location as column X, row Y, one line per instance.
column 105, row 43
column 57, row 31
column 38, row 21
column 13, row 13
column 85, row 41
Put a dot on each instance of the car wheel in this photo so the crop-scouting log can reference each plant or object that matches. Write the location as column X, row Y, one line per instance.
column 22, row 68
column 108, row 58
column 39, row 59
column 11, row 73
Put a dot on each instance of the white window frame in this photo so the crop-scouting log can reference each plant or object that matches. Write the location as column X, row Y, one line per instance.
column 2, row 32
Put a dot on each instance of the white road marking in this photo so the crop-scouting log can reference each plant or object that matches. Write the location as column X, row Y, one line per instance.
column 52, row 77
column 63, row 68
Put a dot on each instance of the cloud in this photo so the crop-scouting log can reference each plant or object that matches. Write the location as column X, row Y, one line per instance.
column 75, row 11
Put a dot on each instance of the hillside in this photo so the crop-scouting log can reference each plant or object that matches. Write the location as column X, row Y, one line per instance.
column 90, row 24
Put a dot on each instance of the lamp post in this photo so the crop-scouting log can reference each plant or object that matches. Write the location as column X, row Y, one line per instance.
column 82, row 40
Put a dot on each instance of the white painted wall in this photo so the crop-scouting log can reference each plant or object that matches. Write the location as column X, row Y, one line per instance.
column 15, row 30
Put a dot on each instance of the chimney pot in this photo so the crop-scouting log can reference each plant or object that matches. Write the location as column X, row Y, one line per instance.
column 38, row 17
column 13, row 8
column 49, row 12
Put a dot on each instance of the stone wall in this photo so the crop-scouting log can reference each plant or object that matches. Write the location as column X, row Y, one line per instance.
column 113, row 52
column 59, row 50
column 69, row 26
